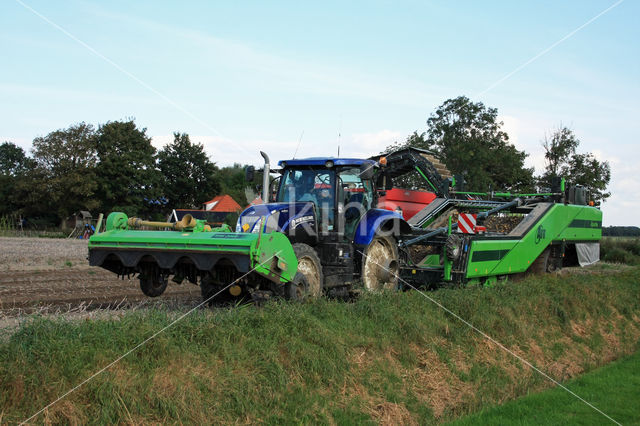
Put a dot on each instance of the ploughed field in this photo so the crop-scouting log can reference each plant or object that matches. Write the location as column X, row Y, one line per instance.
column 41, row 272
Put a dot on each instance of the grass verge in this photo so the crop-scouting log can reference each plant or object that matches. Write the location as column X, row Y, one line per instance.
column 387, row 358
column 614, row 389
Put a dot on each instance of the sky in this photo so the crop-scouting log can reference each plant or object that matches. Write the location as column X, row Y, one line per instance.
column 302, row 78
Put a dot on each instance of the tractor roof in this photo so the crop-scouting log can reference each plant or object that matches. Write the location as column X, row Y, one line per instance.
column 321, row 161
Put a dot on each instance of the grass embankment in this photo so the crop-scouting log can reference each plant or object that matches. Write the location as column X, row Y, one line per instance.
column 393, row 358
column 614, row 388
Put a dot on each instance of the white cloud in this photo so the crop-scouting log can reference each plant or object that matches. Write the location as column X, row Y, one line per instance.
column 226, row 152
column 365, row 145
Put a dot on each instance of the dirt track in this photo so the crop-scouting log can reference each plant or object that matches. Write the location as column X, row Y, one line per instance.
column 36, row 272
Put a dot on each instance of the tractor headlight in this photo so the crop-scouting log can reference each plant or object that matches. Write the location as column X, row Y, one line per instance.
column 272, row 222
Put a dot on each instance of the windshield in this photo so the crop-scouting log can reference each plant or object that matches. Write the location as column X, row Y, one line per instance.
column 316, row 185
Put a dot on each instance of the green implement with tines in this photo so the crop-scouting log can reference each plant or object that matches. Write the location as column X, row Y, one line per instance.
column 193, row 251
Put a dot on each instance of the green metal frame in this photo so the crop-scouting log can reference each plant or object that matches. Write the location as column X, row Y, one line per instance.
column 271, row 255
column 560, row 224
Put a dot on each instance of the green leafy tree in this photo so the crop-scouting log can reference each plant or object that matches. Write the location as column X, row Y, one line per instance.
column 469, row 140
column 559, row 147
column 562, row 159
column 63, row 179
column 13, row 160
column 14, row 165
column 188, row 174
column 232, row 179
column 128, row 180
column 586, row 170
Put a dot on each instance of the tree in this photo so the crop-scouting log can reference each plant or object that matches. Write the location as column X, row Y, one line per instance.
column 558, row 147
column 189, row 176
column 469, row 140
column 128, row 180
column 232, row 179
column 586, row 170
column 64, row 177
column 13, row 160
column 14, row 165
column 562, row 159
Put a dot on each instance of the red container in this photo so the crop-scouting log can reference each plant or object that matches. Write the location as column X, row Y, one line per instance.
column 411, row 202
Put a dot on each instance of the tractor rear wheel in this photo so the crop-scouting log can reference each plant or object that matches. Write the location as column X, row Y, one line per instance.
column 309, row 265
column 153, row 285
column 380, row 264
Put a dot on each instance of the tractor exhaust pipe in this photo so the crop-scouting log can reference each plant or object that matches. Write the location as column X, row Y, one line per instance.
column 265, row 178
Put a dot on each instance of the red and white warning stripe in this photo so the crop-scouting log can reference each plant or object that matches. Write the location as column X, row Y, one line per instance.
column 466, row 223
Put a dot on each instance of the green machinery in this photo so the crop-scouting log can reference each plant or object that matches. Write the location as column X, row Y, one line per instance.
column 187, row 249
column 542, row 238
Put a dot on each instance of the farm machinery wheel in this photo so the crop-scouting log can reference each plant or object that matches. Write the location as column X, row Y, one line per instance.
column 544, row 263
column 209, row 287
column 298, row 289
column 310, row 267
column 380, row 264
column 152, row 283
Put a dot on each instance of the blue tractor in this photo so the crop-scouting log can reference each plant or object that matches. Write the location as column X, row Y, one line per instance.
column 327, row 207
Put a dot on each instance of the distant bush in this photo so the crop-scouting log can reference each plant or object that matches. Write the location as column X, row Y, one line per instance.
column 620, row 250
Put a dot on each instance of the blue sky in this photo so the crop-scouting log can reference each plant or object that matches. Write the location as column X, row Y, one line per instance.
column 241, row 77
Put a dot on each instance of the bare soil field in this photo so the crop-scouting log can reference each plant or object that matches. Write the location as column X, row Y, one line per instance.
column 41, row 272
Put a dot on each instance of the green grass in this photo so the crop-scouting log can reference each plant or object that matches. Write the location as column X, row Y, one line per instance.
column 614, row 389
column 384, row 358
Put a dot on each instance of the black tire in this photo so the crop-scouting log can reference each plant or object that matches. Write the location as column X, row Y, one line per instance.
column 380, row 264
column 208, row 288
column 153, row 286
column 309, row 265
column 541, row 264
column 298, row 289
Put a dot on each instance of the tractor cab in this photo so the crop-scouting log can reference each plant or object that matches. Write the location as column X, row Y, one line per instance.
column 340, row 190
column 325, row 197
column 328, row 205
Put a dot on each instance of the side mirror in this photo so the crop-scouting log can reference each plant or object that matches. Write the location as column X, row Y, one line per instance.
column 366, row 171
column 249, row 173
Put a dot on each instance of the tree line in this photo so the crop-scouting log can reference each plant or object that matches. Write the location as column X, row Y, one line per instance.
column 114, row 167
column 470, row 140
column 621, row 231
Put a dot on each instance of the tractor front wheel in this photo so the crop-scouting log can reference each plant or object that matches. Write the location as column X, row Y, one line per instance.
column 309, row 265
